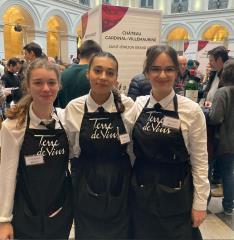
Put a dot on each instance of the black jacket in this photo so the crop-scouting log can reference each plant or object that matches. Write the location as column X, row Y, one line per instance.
column 10, row 80
column 139, row 86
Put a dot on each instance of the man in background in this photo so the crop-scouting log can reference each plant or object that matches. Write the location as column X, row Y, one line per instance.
column 74, row 81
column 217, row 57
column 32, row 51
column 183, row 76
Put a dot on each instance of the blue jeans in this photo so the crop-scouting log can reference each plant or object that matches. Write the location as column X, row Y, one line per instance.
column 226, row 166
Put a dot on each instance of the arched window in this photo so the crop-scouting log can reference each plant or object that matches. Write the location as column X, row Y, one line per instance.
column 55, row 36
column 216, row 33
column 18, row 31
column 177, row 37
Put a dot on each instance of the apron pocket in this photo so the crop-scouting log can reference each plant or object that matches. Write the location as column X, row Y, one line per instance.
column 174, row 201
column 98, row 205
column 142, row 195
column 25, row 224
column 59, row 225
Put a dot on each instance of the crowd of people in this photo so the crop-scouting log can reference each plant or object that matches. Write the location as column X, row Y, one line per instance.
column 120, row 167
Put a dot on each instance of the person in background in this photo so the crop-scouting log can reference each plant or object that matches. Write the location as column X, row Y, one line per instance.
column 139, row 85
column 51, row 60
column 74, row 81
column 217, row 57
column 35, row 185
column 170, row 174
column 194, row 74
column 222, row 115
column 2, row 105
column 11, row 80
column 2, row 69
column 99, row 125
column 182, row 77
column 199, row 74
column 32, row 51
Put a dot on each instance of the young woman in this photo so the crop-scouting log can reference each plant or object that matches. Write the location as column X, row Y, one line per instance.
column 98, row 126
column 35, row 186
column 170, row 185
column 221, row 115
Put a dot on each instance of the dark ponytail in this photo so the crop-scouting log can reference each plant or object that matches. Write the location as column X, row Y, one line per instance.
column 118, row 102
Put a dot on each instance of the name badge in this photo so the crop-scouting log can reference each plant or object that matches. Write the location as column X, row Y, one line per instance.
column 171, row 122
column 124, row 138
column 34, row 160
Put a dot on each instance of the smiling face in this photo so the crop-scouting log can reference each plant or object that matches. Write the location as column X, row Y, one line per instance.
column 102, row 75
column 162, row 75
column 43, row 86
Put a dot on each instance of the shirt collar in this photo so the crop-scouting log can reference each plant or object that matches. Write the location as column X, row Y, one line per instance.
column 164, row 102
column 36, row 120
column 108, row 105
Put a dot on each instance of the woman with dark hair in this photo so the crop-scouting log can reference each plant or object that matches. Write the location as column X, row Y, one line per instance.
column 170, row 183
column 221, row 115
column 99, row 125
column 35, row 185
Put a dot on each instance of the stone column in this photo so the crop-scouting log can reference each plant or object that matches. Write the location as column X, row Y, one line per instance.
column 167, row 7
column 41, row 38
column 71, row 42
column 205, row 5
column 230, row 4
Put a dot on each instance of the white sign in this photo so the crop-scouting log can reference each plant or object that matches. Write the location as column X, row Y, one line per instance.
column 126, row 33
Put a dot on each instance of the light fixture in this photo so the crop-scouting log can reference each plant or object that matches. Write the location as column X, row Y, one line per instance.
column 18, row 27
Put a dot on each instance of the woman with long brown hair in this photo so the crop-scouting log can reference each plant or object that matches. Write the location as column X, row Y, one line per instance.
column 35, row 186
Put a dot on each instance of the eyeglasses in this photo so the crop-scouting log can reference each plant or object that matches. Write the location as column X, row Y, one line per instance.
column 169, row 71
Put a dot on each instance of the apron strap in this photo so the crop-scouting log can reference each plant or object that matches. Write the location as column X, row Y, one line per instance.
column 61, row 125
column 175, row 101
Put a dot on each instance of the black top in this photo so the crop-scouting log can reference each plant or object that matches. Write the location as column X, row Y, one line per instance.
column 10, row 80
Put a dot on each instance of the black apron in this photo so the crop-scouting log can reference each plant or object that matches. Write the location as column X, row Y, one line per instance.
column 103, row 178
column 162, row 187
column 44, row 188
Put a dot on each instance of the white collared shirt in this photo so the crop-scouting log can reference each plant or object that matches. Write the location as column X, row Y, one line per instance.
column 193, row 126
column 11, row 139
column 74, row 115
